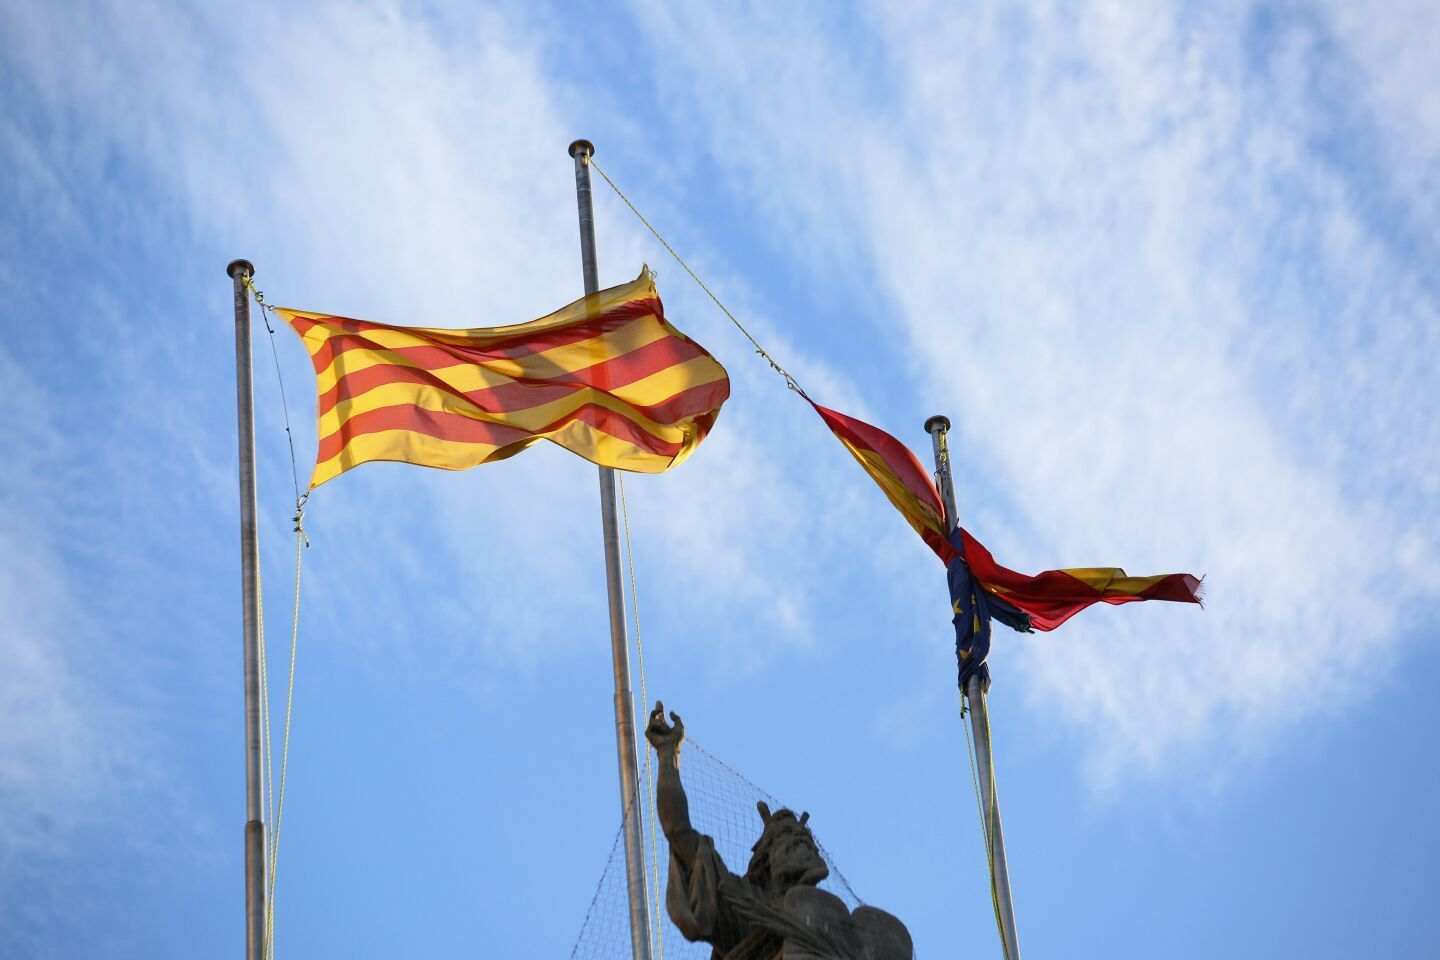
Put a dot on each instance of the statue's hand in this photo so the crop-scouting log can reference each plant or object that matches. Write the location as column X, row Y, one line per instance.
column 662, row 735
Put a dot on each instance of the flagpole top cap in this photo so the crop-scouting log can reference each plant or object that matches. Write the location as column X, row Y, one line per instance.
column 937, row 424
column 240, row 268
column 582, row 148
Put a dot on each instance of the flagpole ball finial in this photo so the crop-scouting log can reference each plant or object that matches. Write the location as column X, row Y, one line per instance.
column 240, row 268
column 582, row 148
column 938, row 423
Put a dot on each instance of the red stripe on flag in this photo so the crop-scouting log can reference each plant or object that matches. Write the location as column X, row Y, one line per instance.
column 522, row 394
column 619, row 426
column 1180, row 587
column 440, row 424
column 688, row 403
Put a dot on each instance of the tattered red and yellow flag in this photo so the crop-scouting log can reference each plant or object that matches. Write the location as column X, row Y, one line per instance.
column 1048, row 599
column 897, row 471
column 607, row 377
column 1054, row 596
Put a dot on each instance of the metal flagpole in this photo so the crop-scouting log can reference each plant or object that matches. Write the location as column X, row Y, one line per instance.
column 937, row 427
column 581, row 151
column 240, row 272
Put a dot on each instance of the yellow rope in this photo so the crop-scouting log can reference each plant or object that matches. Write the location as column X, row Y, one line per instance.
column 790, row 381
column 301, row 541
column 647, row 803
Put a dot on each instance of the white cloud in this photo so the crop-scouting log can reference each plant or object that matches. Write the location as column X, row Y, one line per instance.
column 1173, row 331
column 1090, row 223
column 1174, row 334
column 398, row 167
column 1392, row 56
column 49, row 746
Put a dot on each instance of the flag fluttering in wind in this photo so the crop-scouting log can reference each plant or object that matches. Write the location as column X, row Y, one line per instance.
column 607, row 377
column 1054, row 596
column 898, row 473
column 1040, row 602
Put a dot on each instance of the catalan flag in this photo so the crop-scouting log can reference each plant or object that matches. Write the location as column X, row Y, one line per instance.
column 607, row 377
column 898, row 473
column 1043, row 601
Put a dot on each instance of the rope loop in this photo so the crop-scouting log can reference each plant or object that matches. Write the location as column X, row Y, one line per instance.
column 299, row 518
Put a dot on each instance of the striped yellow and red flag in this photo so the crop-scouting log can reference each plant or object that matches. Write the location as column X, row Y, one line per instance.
column 1045, row 599
column 607, row 377
column 1054, row 596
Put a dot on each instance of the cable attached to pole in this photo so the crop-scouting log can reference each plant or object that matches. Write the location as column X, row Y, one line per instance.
column 764, row 354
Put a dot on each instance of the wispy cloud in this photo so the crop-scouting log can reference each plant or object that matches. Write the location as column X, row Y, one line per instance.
column 1165, row 268
column 70, row 746
column 379, row 174
column 61, row 739
column 1175, row 332
column 1122, row 254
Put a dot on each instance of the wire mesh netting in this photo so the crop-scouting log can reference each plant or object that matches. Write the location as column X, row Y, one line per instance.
column 722, row 804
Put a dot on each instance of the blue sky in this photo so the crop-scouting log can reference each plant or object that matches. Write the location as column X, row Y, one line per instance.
column 1170, row 271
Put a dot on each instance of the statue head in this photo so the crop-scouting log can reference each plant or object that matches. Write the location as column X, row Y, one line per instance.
column 786, row 855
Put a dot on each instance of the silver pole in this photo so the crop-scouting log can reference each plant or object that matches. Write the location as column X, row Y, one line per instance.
column 581, row 151
column 937, row 427
column 240, row 271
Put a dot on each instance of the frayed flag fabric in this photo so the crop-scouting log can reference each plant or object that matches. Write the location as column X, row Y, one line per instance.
column 1050, row 598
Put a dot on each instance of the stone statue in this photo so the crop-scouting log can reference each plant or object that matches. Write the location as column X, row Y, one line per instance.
column 775, row 911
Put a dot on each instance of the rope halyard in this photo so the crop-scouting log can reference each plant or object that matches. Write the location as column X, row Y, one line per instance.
column 302, row 541
column 275, row 795
column 764, row 354
column 995, row 817
column 985, row 826
column 647, row 803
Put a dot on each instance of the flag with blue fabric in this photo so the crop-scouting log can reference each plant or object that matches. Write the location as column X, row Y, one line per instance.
column 973, row 608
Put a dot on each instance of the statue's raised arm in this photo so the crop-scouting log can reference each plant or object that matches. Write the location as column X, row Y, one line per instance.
column 671, row 804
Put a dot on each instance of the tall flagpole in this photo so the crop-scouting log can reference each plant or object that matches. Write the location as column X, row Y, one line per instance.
column 240, row 272
column 581, row 151
column 937, row 427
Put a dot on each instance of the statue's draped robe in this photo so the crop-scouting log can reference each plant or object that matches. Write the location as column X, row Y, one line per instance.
column 711, row 904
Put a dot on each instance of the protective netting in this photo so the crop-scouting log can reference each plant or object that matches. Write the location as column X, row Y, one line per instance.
column 722, row 804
